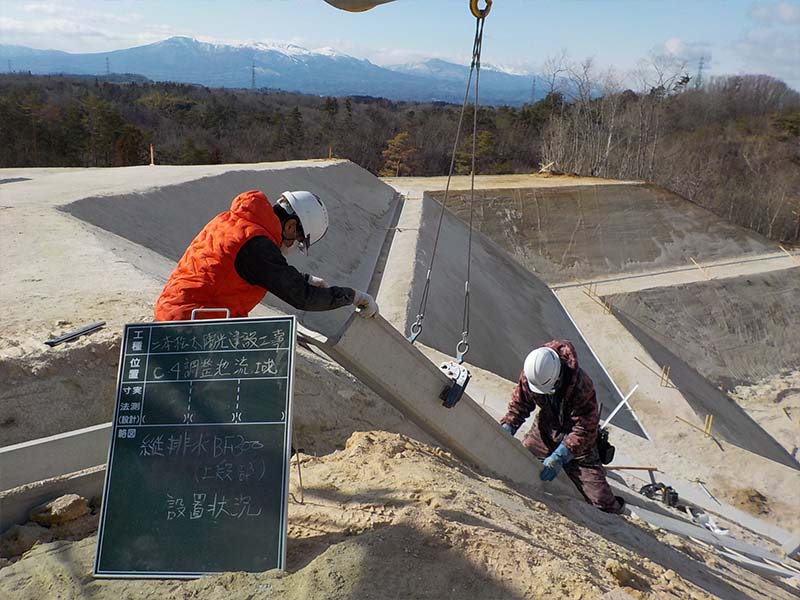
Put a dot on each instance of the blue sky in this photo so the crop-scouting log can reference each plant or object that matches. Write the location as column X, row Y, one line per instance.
column 734, row 36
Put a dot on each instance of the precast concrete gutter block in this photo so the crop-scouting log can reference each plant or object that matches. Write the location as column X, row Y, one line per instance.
column 383, row 359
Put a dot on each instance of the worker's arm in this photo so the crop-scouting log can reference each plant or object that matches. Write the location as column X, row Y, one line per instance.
column 261, row 263
column 520, row 407
column 583, row 416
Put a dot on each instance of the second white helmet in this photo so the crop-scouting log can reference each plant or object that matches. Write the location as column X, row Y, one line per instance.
column 542, row 370
column 311, row 212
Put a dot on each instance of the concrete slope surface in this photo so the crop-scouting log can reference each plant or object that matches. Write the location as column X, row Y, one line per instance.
column 735, row 331
column 166, row 218
column 588, row 232
column 511, row 310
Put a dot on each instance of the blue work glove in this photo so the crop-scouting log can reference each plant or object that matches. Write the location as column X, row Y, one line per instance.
column 508, row 428
column 554, row 462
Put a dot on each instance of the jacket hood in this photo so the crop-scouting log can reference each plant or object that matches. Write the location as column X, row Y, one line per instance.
column 566, row 352
column 254, row 206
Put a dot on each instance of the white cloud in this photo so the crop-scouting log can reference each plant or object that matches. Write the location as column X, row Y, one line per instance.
column 690, row 52
column 772, row 46
column 49, row 8
column 63, row 26
column 785, row 13
column 99, row 19
column 50, row 27
column 772, row 51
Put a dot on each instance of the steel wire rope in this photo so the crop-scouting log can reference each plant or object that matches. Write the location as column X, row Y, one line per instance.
column 416, row 327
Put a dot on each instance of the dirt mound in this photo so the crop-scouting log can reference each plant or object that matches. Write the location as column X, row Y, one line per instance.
column 389, row 516
column 775, row 404
column 52, row 390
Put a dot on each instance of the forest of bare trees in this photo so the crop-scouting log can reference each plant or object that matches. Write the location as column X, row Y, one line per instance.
column 67, row 121
column 731, row 144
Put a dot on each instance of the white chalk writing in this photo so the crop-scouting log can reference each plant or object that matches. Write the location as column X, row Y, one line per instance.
column 213, row 508
column 216, row 341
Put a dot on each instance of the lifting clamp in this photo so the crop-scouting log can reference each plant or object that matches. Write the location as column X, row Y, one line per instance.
column 459, row 376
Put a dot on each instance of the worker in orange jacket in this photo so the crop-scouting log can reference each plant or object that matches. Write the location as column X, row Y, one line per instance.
column 241, row 254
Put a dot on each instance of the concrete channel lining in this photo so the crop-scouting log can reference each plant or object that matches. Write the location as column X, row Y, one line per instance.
column 16, row 504
column 511, row 310
column 165, row 219
column 41, row 459
column 584, row 232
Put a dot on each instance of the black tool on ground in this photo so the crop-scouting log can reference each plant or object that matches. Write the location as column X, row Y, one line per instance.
column 74, row 334
column 460, row 376
column 605, row 448
column 659, row 491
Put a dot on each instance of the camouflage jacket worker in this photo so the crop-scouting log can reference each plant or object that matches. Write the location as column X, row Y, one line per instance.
column 570, row 415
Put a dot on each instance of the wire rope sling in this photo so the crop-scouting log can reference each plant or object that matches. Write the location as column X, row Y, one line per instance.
column 455, row 370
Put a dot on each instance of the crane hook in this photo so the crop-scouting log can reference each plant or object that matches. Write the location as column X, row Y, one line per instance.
column 477, row 12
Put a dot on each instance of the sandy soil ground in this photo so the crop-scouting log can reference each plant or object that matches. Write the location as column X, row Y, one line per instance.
column 389, row 517
column 775, row 404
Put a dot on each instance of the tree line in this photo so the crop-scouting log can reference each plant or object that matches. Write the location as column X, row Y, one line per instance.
column 730, row 145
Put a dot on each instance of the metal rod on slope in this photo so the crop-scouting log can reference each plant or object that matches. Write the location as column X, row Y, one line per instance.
column 618, row 407
column 74, row 334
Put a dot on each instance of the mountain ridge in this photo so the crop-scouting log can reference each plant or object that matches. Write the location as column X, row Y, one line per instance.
column 278, row 65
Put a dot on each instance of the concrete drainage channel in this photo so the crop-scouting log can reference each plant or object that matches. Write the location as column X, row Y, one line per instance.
column 63, row 397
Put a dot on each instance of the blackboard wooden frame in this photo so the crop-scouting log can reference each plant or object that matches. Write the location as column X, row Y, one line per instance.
column 237, row 342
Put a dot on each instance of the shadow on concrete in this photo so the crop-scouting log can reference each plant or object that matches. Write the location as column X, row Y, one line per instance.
column 733, row 331
column 731, row 422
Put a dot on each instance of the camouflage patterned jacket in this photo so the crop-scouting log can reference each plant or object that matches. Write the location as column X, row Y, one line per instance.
column 574, row 420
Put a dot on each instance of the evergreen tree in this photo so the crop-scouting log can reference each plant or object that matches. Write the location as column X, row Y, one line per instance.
column 399, row 156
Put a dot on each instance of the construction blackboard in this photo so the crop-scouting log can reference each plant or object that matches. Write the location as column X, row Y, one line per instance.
column 197, row 475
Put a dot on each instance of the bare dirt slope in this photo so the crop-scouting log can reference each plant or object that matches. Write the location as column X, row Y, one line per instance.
column 390, row 517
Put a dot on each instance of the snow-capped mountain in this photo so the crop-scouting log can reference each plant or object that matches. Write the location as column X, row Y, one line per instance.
column 277, row 65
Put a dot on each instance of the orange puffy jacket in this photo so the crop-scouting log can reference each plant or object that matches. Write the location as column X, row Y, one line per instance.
column 206, row 276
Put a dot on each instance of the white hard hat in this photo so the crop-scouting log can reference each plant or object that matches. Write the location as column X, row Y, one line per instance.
column 311, row 212
column 542, row 370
